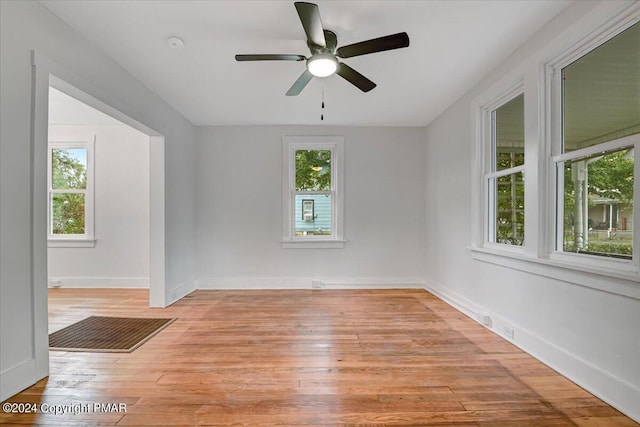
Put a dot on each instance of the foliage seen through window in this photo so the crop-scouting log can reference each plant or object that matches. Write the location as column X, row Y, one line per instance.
column 69, row 172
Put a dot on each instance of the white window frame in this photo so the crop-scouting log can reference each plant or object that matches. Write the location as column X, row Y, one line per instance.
column 490, row 173
column 543, row 126
column 555, row 226
column 483, row 202
column 73, row 240
column 291, row 144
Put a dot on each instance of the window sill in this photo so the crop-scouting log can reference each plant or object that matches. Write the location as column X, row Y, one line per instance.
column 313, row 244
column 71, row 243
column 626, row 283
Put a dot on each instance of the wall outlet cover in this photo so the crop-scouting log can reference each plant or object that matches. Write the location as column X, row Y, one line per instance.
column 508, row 331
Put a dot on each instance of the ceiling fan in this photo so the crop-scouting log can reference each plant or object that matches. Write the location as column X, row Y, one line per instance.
column 323, row 61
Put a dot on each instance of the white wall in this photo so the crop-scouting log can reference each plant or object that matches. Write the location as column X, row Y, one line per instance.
column 27, row 26
column 589, row 335
column 239, row 209
column 121, row 255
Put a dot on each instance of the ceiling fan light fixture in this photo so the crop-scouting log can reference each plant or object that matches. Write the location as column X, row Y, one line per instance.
column 322, row 65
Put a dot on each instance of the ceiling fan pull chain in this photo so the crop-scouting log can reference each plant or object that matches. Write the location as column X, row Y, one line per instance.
column 322, row 113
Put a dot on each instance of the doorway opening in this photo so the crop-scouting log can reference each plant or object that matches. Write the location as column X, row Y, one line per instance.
column 112, row 234
column 97, row 198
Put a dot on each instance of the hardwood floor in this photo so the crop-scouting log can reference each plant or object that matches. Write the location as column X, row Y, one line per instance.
column 304, row 358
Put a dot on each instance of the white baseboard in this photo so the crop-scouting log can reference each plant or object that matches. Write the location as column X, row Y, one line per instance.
column 607, row 387
column 457, row 301
column 18, row 378
column 180, row 291
column 98, row 282
column 310, row 283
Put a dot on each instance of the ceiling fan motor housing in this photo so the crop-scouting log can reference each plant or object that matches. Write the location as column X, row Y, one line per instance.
column 331, row 41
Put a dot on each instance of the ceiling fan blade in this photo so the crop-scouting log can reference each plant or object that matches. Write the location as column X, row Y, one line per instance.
column 300, row 83
column 393, row 41
column 355, row 78
column 270, row 58
column 309, row 14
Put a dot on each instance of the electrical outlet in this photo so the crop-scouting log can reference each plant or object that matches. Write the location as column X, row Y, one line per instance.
column 55, row 283
column 316, row 284
column 508, row 331
column 485, row 319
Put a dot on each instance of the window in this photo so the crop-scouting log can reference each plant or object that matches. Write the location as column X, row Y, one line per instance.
column 312, row 192
column 504, row 169
column 575, row 143
column 70, row 194
column 595, row 163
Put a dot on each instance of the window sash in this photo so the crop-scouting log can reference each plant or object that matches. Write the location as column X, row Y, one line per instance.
column 87, row 192
column 332, row 197
column 632, row 141
column 505, row 172
column 593, row 150
column 70, row 191
column 490, row 185
column 52, row 204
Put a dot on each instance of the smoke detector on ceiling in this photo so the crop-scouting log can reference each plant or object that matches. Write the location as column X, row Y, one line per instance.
column 175, row 42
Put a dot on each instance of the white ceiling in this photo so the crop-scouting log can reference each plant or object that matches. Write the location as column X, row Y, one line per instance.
column 453, row 45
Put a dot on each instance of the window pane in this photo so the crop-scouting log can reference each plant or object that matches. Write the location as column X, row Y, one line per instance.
column 320, row 222
column 601, row 93
column 509, row 134
column 69, row 168
column 67, row 213
column 313, row 170
column 598, row 204
column 509, row 209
